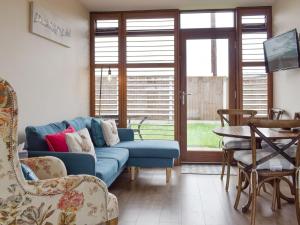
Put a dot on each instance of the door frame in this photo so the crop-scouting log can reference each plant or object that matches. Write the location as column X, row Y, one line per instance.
column 207, row 33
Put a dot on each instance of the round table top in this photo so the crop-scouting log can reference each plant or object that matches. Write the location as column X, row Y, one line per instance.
column 244, row 132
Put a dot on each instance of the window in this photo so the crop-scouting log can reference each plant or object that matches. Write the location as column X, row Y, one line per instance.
column 139, row 51
column 202, row 19
column 105, row 67
column 254, row 27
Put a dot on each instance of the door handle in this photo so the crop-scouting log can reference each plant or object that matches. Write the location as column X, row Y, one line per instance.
column 183, row 96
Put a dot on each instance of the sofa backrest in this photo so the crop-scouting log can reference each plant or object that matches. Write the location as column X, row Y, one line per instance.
column 79, row 123
column 35, row 135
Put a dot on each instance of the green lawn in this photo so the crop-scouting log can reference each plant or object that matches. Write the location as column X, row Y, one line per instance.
column 199, row 133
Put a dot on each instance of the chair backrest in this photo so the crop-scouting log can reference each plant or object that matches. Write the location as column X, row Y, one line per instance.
column 276, row 113
column 234, row 112
column 283, row 125
column 12, row 179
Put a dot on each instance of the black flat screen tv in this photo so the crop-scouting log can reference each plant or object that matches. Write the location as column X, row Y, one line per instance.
column 282, row 52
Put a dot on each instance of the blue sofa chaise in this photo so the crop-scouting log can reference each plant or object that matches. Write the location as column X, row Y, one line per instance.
column 111, row 161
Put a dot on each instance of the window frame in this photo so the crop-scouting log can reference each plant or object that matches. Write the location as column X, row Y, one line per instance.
column 122, row 65
column 252, row 11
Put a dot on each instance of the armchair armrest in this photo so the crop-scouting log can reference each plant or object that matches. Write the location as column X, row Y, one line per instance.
column 126, row 134
column 75, row 163
column 46, row 167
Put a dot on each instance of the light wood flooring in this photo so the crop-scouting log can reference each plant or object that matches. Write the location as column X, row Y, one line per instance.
column 189, row 199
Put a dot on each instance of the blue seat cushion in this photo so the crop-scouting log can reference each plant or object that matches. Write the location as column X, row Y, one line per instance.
column 106, row 169
column 28, row 173
column 119, row 154
column 35, row 135
column 151, row 148
column 96, row 133
column 79, row 123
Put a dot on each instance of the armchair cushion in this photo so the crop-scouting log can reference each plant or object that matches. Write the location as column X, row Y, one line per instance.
column 28, row 173
column 96, row 133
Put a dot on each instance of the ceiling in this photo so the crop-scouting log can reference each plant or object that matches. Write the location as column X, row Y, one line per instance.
column 127, row 5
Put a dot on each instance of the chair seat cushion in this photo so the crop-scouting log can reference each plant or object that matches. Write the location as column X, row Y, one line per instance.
column 277, row 163
column 106, row 169
column 151, row 148
column 119, row 154
column 236, row 143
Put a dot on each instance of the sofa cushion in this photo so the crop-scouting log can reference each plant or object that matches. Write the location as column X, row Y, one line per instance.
column 119, row 154
column 35, row 140
column 110, row 132
column 106, row 169
column 57, row 142
column 79, row 123
column 81, row 142
column 96, row 133
column 28, row 173
column 151, row 148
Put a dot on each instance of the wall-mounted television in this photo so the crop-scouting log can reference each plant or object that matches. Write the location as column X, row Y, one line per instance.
column 282, row 52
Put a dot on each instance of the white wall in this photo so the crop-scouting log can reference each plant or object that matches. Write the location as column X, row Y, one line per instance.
column 287, row 83
column 51, row 81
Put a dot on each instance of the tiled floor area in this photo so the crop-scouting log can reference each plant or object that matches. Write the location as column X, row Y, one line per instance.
column 189, row 200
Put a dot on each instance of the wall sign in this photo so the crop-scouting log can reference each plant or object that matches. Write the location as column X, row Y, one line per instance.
column 45, row 24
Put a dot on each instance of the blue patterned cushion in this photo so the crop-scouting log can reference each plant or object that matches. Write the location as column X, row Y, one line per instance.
column 28, row 173
column 97, row 134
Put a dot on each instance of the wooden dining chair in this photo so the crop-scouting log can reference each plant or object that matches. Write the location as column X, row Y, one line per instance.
column 276, row 113
column 229, row 144
column 298, row 192
column 268, row 165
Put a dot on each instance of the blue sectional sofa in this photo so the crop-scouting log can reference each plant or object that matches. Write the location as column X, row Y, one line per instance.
column 111, row 161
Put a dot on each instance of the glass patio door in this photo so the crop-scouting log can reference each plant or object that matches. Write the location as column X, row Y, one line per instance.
column 207, row 84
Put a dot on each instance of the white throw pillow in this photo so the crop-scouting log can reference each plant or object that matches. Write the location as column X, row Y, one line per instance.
column 81, row 142
column 110, row 132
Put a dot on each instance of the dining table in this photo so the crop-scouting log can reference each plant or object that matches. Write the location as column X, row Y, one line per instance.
column 244, row 132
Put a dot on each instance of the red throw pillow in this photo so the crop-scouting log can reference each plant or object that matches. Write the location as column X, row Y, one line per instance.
column 57, row 142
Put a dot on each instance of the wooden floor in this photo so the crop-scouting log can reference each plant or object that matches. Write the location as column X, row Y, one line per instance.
column 189, row 200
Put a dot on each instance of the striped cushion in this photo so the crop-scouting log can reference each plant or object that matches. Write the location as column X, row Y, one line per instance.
column 236, row 143
column 277, row 163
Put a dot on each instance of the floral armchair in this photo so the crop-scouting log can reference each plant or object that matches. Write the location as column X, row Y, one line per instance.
column 298, row 194
column 53, row 200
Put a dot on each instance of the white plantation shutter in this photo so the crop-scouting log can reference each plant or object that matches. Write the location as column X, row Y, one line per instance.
column 254, row 27
column 139, row 49
column 150, row 56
